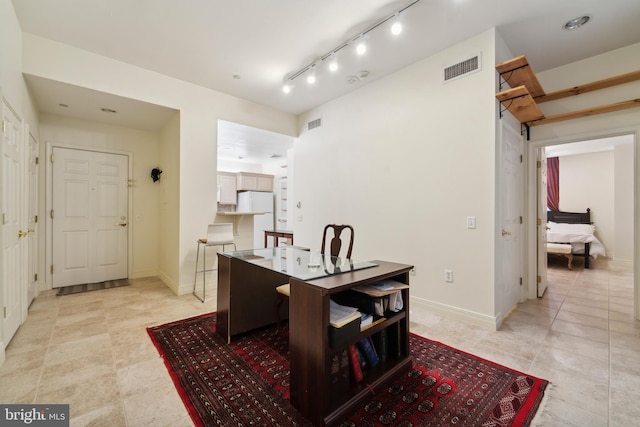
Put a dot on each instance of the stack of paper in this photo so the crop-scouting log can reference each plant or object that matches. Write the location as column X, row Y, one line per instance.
column 340, row 315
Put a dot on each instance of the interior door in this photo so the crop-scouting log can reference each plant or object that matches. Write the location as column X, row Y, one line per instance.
column 90, row 196
column 32, row 210
column 542, row 221
column 13, row 231
column 512, row 203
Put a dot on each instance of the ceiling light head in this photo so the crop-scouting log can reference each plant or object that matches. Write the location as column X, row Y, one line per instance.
column 575, row 23
column 396, row 26
column 311, row 77
column 361, row 47
column 333, row 64
column 287, row 87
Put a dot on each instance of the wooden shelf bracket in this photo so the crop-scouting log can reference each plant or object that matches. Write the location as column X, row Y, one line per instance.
column 526, row 92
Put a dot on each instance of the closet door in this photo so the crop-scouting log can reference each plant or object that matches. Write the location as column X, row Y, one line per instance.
column 14, row 225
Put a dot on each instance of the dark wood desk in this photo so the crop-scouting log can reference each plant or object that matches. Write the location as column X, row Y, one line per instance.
column 278, row 234
column 246, row 300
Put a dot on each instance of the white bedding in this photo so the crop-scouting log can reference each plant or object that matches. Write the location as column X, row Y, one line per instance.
column 577, row 235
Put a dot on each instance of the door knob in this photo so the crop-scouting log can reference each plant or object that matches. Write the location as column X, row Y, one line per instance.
column 30, row 230
column 506, row 233
column 21, row 233
column 122, row 224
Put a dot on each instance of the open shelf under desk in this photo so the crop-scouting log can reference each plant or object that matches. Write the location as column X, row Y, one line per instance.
column 389, row 321
column 376, row 377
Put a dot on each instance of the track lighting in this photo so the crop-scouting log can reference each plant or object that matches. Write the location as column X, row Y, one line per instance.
column 360, row 41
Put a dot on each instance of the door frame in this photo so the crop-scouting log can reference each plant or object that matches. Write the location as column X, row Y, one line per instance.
column 50, row 145
column 532, row 205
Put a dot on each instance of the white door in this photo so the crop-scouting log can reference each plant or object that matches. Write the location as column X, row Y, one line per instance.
column 12, row 205
column 32, row 210
column 89, row 216
column 542, row 221
column 512, row 202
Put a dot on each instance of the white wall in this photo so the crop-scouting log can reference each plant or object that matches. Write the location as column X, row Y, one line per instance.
column 624, row 201
column 169, row 204
column 405, row 160
column 200, row 110
column 586, row 181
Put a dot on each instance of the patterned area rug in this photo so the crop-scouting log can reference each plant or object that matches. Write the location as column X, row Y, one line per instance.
column 247, row 383
column 74, row 289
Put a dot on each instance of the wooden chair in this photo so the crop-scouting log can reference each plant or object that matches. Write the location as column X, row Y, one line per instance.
column 335, row 246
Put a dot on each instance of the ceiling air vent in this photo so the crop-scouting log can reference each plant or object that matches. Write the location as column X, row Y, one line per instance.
column 314, row 124
column 461, row 69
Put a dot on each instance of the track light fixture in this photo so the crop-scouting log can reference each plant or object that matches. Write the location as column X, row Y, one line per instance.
column 361, row 48
column 396, row 27
column 333, row 65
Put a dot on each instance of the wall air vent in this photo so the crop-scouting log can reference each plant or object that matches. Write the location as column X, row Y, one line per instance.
column 314, row 124
column 461, row 69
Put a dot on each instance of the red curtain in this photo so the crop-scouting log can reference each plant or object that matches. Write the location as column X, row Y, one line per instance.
column 553, row 183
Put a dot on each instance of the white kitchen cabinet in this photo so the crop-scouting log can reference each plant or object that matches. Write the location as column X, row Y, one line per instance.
column 249, row 181
column 227, row 188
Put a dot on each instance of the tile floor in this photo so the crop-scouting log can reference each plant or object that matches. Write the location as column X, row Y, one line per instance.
column 92, row 351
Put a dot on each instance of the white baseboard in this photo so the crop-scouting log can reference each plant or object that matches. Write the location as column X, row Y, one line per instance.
column 170, row 283
column 478, row 319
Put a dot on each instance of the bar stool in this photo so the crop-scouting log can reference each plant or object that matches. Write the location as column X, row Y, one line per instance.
column 217, row 235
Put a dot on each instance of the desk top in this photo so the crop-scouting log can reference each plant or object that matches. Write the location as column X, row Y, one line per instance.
column 299, row 263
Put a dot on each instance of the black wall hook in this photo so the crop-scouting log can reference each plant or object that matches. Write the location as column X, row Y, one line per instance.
column 155, row 174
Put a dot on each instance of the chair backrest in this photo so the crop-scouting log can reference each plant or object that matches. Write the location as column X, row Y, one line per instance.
column 335, row 244
column 220, row 233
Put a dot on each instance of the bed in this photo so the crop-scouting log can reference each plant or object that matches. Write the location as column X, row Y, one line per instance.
column 574, row 228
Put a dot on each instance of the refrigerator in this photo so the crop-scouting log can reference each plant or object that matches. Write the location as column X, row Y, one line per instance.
column 258, row 201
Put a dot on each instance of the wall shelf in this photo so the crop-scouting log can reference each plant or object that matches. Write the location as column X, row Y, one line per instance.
column 526, row 93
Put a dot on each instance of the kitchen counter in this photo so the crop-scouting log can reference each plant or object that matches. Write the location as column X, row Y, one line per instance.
column 237, row 218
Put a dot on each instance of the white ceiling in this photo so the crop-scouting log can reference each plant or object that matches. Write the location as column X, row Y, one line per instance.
column 208, row 42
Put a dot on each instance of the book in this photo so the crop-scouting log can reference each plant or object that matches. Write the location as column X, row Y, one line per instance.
column 381, row 343
column 366, row 321
column 369, row 351
column 356, row 370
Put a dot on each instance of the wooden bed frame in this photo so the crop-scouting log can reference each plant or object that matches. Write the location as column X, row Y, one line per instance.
column 573, row 218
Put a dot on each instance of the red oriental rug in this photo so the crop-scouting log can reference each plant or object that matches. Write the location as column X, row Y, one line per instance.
column 247, row 382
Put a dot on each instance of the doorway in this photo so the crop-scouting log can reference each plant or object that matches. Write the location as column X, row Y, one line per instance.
column 613, row 213
column 89, row 216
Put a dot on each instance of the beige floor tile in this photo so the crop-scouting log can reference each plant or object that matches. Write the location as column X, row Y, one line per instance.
column 92, row 350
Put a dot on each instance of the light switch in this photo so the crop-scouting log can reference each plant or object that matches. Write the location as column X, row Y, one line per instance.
column 471, row 222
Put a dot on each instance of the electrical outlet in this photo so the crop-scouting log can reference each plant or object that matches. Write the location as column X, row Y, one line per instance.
column 299, row 218
column 448, row 276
